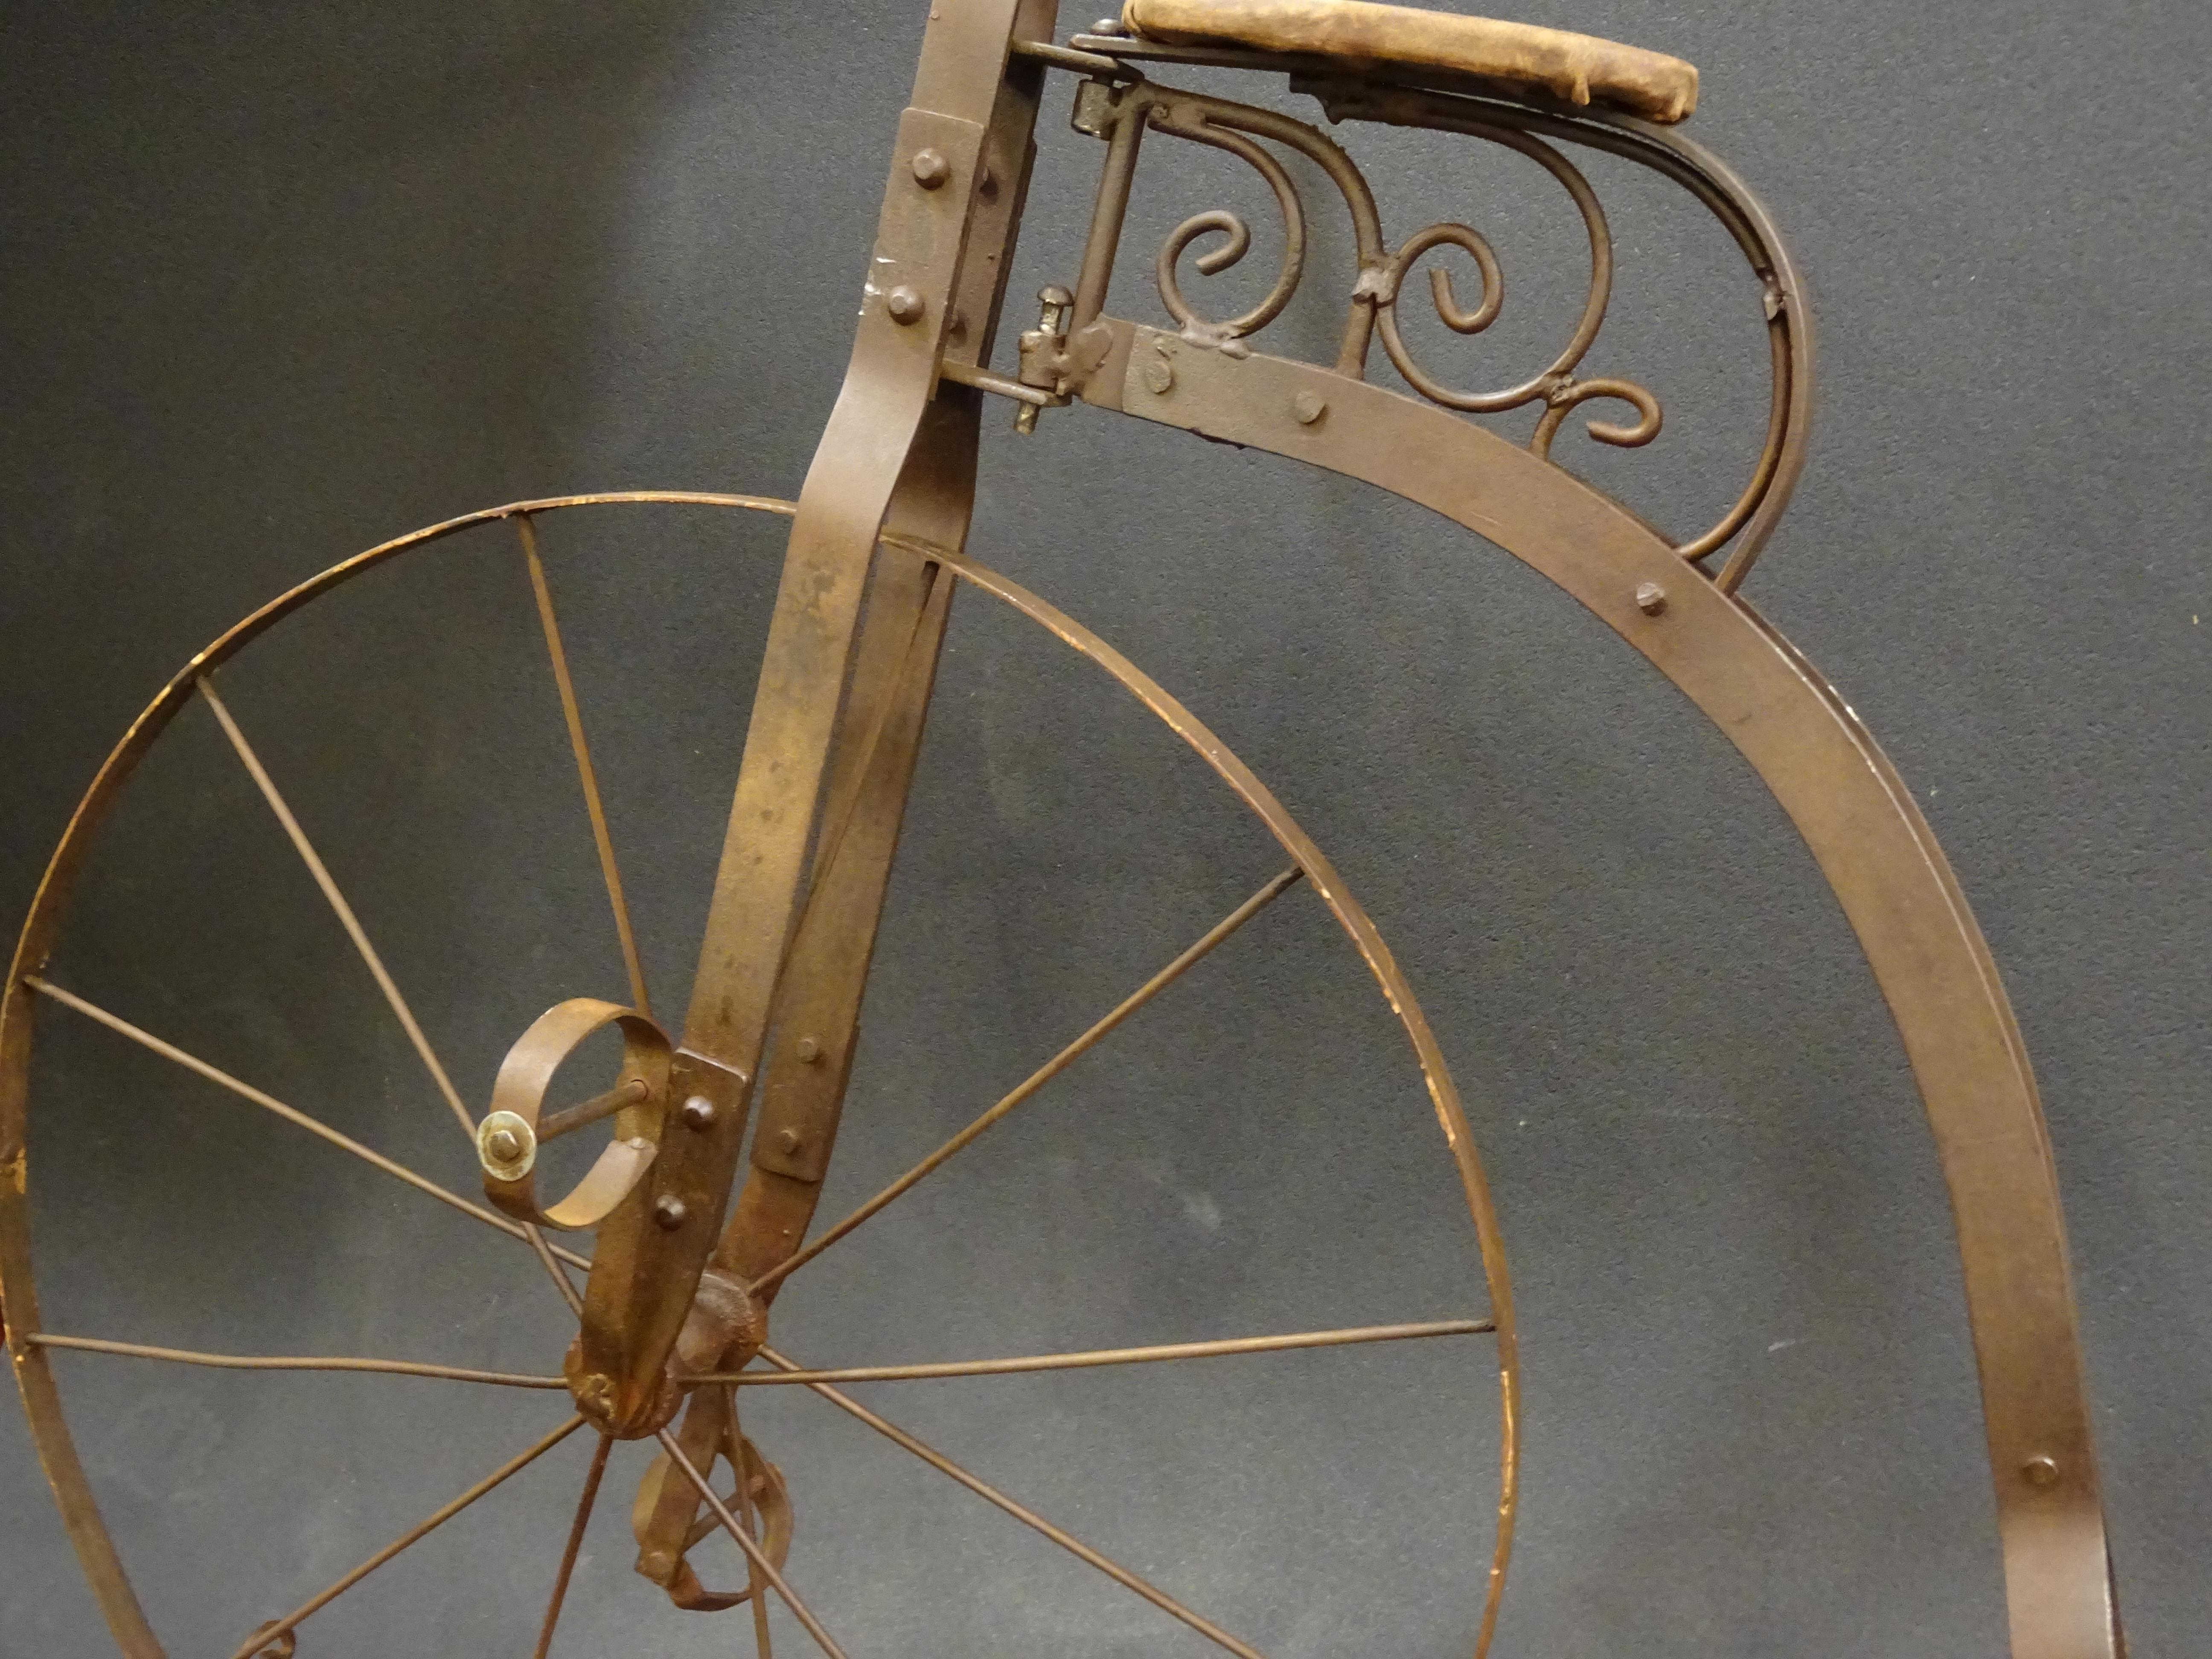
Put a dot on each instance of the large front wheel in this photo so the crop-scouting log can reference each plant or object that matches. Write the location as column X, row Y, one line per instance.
column 185, row 1215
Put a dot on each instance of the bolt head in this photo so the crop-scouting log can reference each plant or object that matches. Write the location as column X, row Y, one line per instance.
column 904, row 305
column 669, row 1213
column 697, row 1113
column 1308, row 407
column 931, row 170
column 505, row 1147
column 1650, row 599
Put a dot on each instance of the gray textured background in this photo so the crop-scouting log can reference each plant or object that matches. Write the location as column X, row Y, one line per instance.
column 281, row 280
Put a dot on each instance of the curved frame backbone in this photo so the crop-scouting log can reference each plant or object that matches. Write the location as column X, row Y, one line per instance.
column 1871, row 843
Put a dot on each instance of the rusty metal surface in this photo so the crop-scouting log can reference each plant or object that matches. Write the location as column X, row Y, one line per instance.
column 1876, row 851
column 642, row 1287
column 1119, row 109
column 675, row 1304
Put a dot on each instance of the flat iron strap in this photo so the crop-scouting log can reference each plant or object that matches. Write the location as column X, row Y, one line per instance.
column 1577, row 67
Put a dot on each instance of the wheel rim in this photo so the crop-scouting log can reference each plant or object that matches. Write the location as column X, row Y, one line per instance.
column 30, row 1344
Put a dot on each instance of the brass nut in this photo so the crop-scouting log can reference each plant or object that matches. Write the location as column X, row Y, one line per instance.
column 931, row 170
column 1650, row 599
column 697, row 1113
column 506, row 1147
column 669, row 1213
column 904, row 305
column 1308, row 407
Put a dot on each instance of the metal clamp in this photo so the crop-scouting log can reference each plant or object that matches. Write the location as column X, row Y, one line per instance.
column 513, row 1130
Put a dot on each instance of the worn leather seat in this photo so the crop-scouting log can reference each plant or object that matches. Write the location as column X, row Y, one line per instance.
column 1576, row 67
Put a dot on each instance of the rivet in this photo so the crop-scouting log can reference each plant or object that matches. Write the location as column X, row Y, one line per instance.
column 787, row 1139
column 697, row 1113
column 904, row 305
column 2041, row 1471
column 504, row 1145
column 1107, row 26
column 810, row 1052
column 931, row 170
column 596, row 1395
column 668, row 1212
column 1650, row 599
column 1308, row 407
column 1159, row 376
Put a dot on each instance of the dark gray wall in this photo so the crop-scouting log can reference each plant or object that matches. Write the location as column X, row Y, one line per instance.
column 281, row 280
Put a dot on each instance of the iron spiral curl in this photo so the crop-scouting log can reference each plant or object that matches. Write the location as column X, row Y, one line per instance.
column 1185, row 120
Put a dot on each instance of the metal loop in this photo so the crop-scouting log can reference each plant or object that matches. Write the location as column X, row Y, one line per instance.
column 1566, row 397
column 508, row 1137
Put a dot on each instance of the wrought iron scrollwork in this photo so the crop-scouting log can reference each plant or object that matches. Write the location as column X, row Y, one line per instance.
column 1185, row 120
column 1121, row 113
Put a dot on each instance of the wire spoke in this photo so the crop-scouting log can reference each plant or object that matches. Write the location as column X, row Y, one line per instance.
column 751, row 1518
column 193, row 1063
column 584, row 772
column 591, row 1496
column 1073, row 1546
column 352, row 923
column 235, row 1361
column 268, row 1633
column 534, row 1238
column 1036, row 1079
column 755, row 1555
column 1070, row 1362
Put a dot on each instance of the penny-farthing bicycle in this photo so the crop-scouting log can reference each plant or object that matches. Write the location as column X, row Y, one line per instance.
column 672, row 1242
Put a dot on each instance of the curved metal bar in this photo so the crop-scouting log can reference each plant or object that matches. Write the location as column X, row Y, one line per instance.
column 1877, row 854
column 1563, row 400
